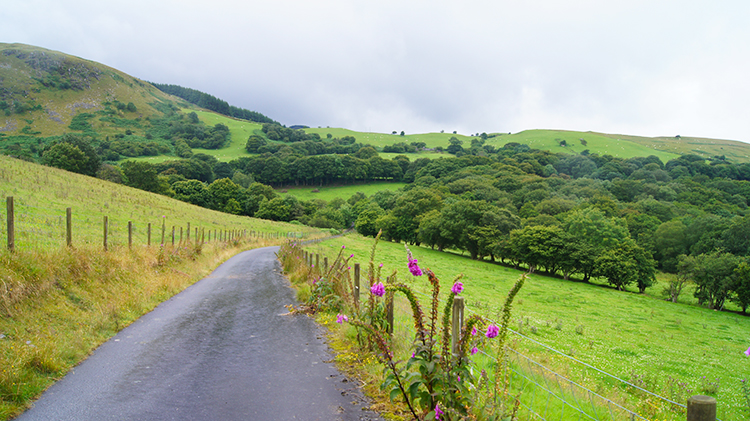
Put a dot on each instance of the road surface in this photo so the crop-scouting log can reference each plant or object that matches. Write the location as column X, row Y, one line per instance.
column 223, row 349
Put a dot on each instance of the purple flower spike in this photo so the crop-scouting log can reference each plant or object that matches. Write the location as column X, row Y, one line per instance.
column 457, row 288
column 414, row 269
column 474, row 331
column 747, row 352
column 492, row 331
column 438, row 412
column 343, row 247
column 474, row 350
column 378, row 289
column 351, row 255
column 341, row 318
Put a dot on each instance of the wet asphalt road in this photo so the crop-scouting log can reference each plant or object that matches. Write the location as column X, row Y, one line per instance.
column 223, row 349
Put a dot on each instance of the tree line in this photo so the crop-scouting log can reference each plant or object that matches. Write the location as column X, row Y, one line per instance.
column 576, row 216
column 212, row 103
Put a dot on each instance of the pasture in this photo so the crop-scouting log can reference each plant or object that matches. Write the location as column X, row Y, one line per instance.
column 673, row 349
column 328, row 193
column 43, row 193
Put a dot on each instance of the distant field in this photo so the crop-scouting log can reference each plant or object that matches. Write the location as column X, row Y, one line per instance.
column 640, row 338
column 595, row 143
column 331, row 192
column 418, row 155
column 623, row 146
column 42, row 194
column 733, row 150
column 383, row 139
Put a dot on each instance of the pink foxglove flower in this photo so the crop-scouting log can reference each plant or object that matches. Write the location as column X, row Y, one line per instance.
column 457, row 288
column 747, row 352
column 341, row 318
column 474, row 350
column 474, row 331
column 414, row 269
column 378, row 289
column 492, row 331
column 438, row 412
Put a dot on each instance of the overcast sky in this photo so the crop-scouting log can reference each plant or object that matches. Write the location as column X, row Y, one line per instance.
column 646, row 68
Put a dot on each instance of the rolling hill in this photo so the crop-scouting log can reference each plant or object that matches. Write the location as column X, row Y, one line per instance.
column 45, row 93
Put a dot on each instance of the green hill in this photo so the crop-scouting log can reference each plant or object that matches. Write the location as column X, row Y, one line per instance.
column 46, row 93
column 43, row 90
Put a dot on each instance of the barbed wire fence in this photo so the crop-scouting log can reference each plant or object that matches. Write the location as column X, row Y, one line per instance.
column 34, row 227
column 544, row 393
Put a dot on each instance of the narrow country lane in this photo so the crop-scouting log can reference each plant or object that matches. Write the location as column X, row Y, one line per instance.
column 223, row 349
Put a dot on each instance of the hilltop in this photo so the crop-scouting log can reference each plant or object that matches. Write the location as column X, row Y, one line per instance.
column 45, row 93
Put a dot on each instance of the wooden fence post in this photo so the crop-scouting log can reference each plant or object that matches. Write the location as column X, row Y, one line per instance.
column 325, row 263
column 130, row 234
column 701, row 408
column 187, row 233
column 317, row 260
column 180, row 235
column 11, row 223
column 106, row 226
column 389, row 311
column 458, row 323
column 163, row 229
column 149, row 233
column 356, row 287
column 69, row 227
column 196, row 234
column 173, row 235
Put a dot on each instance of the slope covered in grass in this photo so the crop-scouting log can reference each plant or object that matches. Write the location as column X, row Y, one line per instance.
column 58, row 303
column 673, row 349
column 41, row 195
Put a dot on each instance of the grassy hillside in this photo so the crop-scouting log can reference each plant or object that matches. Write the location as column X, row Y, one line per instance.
column 674, row 349
column 623, row 146
column 44, row 90
column 42, row 194
column 57, row 303
column 328, row 193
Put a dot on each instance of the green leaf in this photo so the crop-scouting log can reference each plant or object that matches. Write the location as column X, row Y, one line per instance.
column 395, row 393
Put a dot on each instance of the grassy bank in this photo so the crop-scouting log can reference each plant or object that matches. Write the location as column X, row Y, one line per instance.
column 673, row 349
column 57, row 306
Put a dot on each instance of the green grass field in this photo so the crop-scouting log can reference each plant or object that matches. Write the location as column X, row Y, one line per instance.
column 384, row 139
column 328, row 193
column 595, row 143
column 664, row 347
column 41, row 195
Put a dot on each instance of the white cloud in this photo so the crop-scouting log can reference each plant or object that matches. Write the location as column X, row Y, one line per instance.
column 637, row 67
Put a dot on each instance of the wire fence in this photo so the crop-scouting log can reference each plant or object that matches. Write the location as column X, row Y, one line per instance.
column 34, row 227
column 546, row 394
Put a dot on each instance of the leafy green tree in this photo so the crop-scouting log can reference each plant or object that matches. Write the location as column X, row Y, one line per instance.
column 455, row 145
column 65, row 156
column 68, row 156
column 141, row 175
column 741, row 286
column 275, row 209
column 538, row 246
column 366, row 220
column 111, row 173
column 256, row 193
column 233, row 207
column 670, row 241
column 219, row 192
column 255, row 142
column 191, row 191
column 593, row 233
column 713, row 275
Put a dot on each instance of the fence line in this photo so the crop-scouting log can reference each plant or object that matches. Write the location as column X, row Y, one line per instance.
column 527, row 376
column 35, row 227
